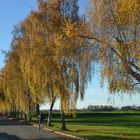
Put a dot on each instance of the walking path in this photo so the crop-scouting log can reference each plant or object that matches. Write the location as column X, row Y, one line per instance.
column 11, row 129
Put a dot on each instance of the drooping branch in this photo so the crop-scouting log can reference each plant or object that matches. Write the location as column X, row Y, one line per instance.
column 127, row 63
column 128, row 67
column 90, row 37
column 136, row 84
column 130, row 63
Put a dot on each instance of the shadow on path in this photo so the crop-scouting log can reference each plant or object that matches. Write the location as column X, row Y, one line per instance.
column 7, row 121
column 5, row 136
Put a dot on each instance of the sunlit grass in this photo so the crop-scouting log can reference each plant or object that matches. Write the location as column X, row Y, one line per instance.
column 103, row 126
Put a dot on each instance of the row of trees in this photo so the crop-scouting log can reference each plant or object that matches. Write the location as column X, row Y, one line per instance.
column 110, row 108
column 101, row 108
column 54, row 51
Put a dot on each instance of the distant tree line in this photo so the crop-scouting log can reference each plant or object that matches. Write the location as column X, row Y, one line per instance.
column 110, row 108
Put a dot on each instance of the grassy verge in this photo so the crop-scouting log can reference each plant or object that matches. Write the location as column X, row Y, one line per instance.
column 102, row 126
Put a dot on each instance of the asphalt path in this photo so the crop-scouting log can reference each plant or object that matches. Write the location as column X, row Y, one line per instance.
column 11, row 129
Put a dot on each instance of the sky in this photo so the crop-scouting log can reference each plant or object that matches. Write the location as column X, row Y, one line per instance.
column 12, row 12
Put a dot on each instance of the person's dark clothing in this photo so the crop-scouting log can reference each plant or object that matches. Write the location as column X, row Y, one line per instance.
column 41, row 121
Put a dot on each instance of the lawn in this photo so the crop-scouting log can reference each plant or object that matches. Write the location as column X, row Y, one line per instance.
column 102, row 126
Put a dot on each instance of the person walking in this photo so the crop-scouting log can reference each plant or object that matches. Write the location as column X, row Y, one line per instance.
column 41, row 121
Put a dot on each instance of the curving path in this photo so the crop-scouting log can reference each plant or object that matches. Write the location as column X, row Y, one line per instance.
column 14, row 130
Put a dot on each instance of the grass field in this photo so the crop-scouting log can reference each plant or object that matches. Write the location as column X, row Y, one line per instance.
column 102, row 126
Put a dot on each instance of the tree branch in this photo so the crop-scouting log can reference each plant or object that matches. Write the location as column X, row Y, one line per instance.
column 135, row 84
column 90, row 37
column 125, row 62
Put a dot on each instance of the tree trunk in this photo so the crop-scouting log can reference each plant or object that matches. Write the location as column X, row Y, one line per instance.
column 21, row 114
column 18, row 113
column 25, row 117
column 30, row 115
column 29, row 100
column 50, row 112
column 15, row 112
column 29, row 107
column 37, row 110
column 63, row 127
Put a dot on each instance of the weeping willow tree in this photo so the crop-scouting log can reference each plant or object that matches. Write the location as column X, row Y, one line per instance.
column 72, row 54
column 12, row 83
column 117, row 28
column 36, row 61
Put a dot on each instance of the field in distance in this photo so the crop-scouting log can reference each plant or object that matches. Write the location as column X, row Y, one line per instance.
column 102, row 125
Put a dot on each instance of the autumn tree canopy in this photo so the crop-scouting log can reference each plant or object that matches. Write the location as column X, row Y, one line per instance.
column 115, row 27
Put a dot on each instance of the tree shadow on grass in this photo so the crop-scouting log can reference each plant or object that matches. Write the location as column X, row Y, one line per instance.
column 104, row 119
column 99, row 137
column 79, row 130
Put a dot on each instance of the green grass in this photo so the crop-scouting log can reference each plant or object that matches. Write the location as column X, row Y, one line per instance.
column 102, row 126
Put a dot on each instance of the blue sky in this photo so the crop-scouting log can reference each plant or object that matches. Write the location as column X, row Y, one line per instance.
column 14, row 11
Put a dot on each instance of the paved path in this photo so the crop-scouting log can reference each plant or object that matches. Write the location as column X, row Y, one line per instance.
column 15, row 130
